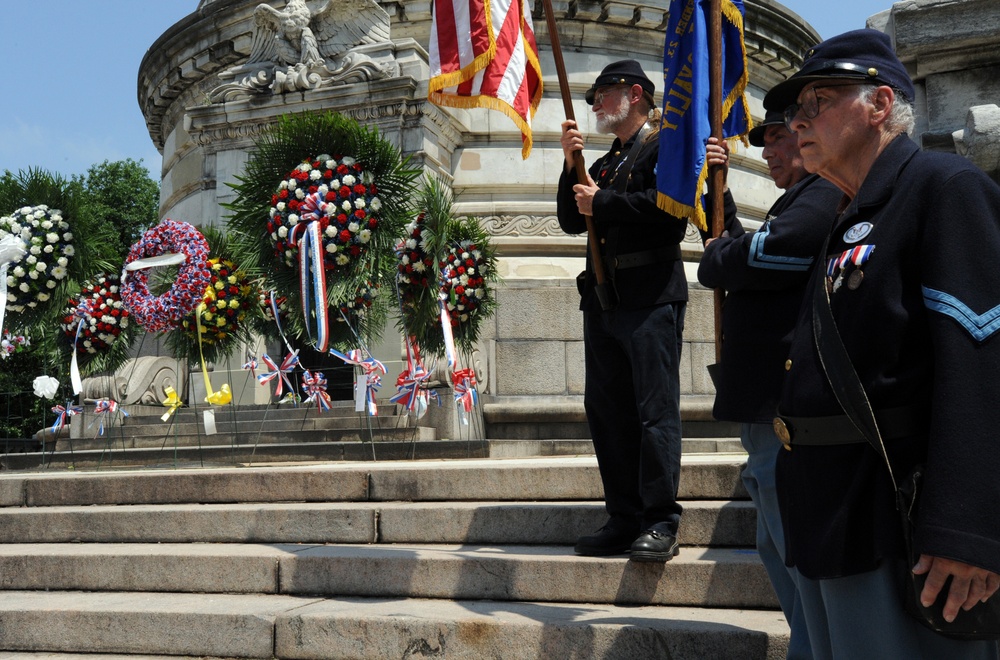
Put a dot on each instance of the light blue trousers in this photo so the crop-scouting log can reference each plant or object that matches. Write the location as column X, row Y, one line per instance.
column 762, row 448
column 859, row 617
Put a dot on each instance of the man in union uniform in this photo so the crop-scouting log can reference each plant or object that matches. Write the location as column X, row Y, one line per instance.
column 911, row 271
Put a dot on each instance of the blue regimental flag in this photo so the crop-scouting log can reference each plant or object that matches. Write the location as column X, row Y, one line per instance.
column 681, row 171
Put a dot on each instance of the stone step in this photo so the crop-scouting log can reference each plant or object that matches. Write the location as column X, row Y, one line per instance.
column 705, row 523
column 698, row 577
column 228, row 424
column 277, row 626
column 232, row 455
column 193, row 437
column 703, row 476
column 111, row 455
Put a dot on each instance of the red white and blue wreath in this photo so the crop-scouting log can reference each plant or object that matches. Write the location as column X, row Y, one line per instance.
column 170, row 242
column 337, row 193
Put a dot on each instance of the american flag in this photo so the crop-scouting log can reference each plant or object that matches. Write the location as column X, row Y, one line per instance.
column 483, row 55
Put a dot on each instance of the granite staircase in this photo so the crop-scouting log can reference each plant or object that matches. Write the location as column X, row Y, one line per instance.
column 467, row 558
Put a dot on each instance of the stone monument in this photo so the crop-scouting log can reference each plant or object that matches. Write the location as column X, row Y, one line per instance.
column 213, row 81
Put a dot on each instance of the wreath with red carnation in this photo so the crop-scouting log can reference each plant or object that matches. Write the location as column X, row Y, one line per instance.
column 96, row 324
column 347, row 188
column 444, row 261
column 227, row 312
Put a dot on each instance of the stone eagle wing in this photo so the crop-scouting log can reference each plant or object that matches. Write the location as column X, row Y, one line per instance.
column 343, row 24
column 264, row 47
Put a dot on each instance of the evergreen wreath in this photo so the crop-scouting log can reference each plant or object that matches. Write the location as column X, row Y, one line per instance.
column 449, row 260
column 328, row 169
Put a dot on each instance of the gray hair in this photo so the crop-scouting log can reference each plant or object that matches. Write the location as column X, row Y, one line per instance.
column 901, row 118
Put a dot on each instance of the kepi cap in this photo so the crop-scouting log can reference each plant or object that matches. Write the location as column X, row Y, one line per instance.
column 622, row 72
column 863, row 55
column 772, row 118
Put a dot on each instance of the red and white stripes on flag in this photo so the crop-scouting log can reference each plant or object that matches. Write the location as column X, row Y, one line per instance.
column 483, row 55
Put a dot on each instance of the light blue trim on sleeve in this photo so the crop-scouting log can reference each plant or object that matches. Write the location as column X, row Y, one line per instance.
column 758, row 258
column 980, row 326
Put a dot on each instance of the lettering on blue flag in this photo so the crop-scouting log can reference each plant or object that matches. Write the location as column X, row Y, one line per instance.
column 685, row 126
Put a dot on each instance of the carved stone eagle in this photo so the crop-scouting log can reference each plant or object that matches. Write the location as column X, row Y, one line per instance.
column 295, row 35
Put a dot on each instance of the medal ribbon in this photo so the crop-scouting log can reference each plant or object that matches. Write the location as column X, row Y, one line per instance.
column 281, row 373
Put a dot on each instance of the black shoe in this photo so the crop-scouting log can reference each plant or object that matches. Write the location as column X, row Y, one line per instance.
column 655, row 545
column 612, row 539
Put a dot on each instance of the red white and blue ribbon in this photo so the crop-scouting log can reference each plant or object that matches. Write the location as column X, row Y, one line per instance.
column 250, row 365
column 449, row 338
column 857, row 255
column 279, row 372
column 312, row 269
column 83, row 310
column 63, row 414
column 102, row 409
column 314, row 384
column 411, row 391
column 273, row 300
column 466, row 395
column 365, row 388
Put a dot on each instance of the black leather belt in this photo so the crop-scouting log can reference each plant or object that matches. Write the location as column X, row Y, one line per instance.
column 645, row 258
column 839, row 430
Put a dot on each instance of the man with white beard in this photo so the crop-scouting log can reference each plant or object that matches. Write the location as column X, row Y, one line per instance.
column 632, row 344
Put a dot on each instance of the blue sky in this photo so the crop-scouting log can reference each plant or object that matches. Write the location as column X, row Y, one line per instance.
column 68, row 71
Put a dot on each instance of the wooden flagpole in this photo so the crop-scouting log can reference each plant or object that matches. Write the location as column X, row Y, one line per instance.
column 605, row 295
column 716, row 173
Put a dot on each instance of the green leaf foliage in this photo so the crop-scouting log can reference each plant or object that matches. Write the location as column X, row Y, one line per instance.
column 296, row 139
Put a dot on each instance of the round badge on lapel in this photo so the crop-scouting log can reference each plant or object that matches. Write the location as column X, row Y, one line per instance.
column 858, row 232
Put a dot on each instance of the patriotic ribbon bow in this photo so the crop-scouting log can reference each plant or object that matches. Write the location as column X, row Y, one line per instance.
column 280, row 372
column 371, row 368
column 466, row 396
column 315, row 386
column 410, row 390
column 251, row 365
column 106, row 407
column 313, row 207
column 172, row 402
column 63, row 413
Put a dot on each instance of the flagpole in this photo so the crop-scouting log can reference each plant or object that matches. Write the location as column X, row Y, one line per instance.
column 603, row 291
column 716, row 173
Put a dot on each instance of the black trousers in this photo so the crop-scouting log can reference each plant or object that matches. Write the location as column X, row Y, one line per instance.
column 632, row 400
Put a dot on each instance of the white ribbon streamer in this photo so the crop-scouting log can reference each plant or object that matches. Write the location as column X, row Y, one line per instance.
column 11, row 250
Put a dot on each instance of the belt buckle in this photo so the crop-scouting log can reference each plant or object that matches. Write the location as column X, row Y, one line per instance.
column 783, row 430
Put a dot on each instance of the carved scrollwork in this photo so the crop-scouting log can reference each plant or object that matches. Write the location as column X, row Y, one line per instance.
column 143, row 380
column 522, row 225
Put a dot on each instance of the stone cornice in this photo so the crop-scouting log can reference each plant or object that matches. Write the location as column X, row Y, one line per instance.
column 190, row 55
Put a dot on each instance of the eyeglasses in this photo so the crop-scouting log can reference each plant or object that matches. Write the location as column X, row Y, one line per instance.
column 603, row 94
column 810, row 104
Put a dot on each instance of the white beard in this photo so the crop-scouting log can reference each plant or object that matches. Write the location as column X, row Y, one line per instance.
column 612, row 120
